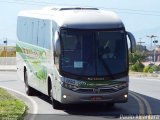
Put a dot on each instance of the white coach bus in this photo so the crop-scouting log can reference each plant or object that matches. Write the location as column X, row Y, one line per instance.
column 74, row 55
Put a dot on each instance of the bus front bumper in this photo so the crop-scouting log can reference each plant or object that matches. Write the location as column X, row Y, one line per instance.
column 69, row 96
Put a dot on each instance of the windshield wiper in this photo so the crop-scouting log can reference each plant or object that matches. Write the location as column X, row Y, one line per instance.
column 106, row 67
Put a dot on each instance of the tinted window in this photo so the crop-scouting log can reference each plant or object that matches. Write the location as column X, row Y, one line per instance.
column 93, row 53
column 111, row 52
column 41, row 33
column 35, row 31
column 35, row 25
column 47, row 34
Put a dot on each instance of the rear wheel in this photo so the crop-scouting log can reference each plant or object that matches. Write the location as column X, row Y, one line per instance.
column 55, row 103
column 29, row 90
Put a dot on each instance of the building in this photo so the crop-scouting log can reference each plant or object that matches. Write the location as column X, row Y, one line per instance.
column 9, row 51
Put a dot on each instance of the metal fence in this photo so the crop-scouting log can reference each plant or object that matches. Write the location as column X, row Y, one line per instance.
column 7, row 60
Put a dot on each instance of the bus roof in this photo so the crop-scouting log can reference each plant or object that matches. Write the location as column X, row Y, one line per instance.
column 77, row 17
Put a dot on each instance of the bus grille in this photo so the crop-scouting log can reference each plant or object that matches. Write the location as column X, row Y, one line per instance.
column 96, row 90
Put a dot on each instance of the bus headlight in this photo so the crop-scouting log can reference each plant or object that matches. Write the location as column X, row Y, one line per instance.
column 68, row 86
column 121, row 86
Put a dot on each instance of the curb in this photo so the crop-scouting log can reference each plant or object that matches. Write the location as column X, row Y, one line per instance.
column 7, row 70
column 144, row 75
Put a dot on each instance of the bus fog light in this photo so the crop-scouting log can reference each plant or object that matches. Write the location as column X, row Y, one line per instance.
column 64, row 96
column 125, row 96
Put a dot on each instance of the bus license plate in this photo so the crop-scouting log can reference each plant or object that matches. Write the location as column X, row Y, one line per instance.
column 96, row 98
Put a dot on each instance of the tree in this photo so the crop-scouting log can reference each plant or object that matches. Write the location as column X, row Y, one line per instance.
column 137, row 67
column 150, row 68
column 137, row 56
column 135, row 60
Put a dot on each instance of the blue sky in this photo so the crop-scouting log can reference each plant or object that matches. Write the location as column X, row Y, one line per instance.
column 141, row 17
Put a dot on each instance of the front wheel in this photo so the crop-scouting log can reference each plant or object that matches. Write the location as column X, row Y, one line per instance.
column 55, row 103
column 29, row 90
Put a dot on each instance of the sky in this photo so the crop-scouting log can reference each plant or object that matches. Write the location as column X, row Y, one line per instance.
column 140, row 17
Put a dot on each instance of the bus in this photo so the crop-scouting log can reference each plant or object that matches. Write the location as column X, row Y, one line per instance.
column 74, row 54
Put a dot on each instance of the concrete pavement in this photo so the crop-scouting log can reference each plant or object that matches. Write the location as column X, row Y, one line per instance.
column 8, row 68
column 137, row 103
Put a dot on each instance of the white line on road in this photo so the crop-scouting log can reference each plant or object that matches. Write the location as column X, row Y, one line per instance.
column 141, row 106
column 35, row 106
column 149, row 111
column 141, row 99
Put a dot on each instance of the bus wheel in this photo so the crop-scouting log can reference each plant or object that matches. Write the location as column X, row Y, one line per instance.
column 29, row 91
column 55, row 103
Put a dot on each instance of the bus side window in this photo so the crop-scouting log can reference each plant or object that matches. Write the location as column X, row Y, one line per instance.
column 41, row 33
column 29, row 31
column 35, row 25
column 47, row 34
column 20, row 28
column 24, row 29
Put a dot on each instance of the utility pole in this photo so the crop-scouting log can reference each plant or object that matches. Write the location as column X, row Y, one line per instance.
column 155, row 41
column 5, row 42
column 152, row 36
column 140, row 42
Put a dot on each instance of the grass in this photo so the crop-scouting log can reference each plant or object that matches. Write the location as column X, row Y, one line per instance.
column 11, row 108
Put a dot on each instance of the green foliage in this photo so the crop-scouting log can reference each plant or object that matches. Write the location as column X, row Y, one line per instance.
column 156, row 68
column 137, row 56
column 11, row 107
column 150, row 69
column 146, row 68
column 137, row 67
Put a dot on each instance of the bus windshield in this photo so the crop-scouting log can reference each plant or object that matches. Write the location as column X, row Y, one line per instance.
column 93, row 52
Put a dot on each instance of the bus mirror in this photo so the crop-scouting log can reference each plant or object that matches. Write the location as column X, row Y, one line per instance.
column 132, row 42
column 57, row 46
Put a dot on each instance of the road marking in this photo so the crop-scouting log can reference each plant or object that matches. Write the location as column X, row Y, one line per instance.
column 149, row 111
column 143, row 100
column 35, row 106
column 141, row 105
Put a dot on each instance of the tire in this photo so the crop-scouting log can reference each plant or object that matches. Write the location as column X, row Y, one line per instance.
column 55, row 103
column 29, row 90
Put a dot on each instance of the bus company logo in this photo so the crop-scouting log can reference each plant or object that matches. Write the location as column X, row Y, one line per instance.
column 96, row 90
column 31, row 53
column 95, row 78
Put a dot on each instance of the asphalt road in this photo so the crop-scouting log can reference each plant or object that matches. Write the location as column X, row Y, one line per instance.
column 144, row 98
